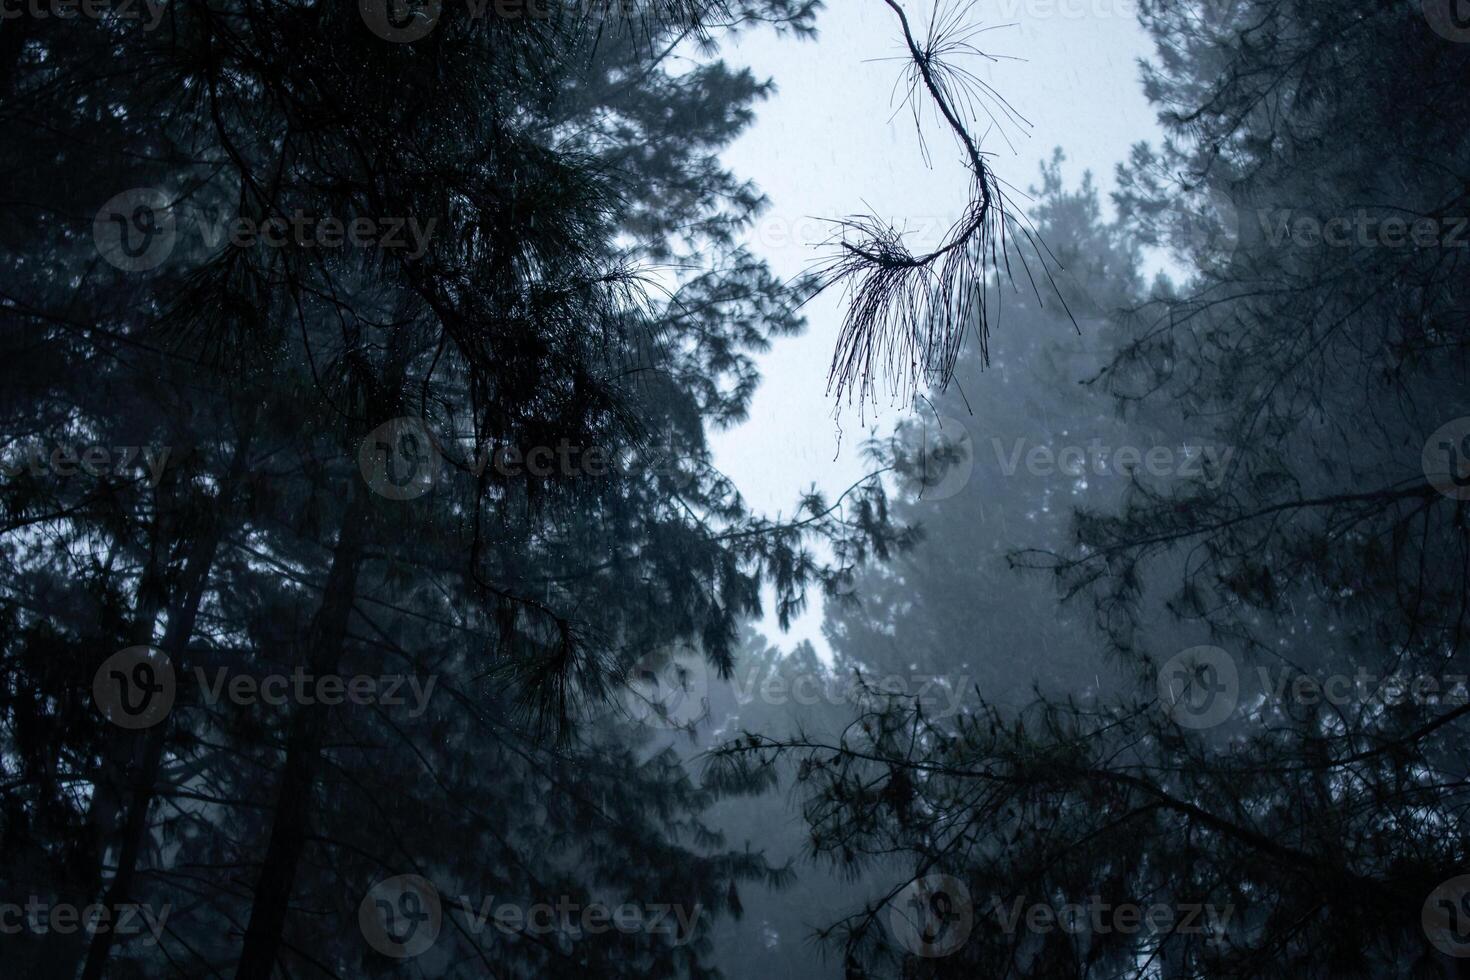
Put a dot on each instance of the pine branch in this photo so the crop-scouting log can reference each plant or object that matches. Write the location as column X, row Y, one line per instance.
column 907, row 314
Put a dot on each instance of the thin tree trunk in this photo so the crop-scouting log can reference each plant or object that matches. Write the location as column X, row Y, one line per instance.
column 326, row 639
column 107, row 797
column 176, row 636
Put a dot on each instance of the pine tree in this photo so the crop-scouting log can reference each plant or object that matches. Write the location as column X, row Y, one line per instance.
column 1320, row 830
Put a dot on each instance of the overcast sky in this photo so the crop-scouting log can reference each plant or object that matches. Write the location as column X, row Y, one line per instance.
column 829, row 144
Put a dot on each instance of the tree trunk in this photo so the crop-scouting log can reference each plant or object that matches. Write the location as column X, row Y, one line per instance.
column 149, row 756
column 325, row 641
column 108, row 787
